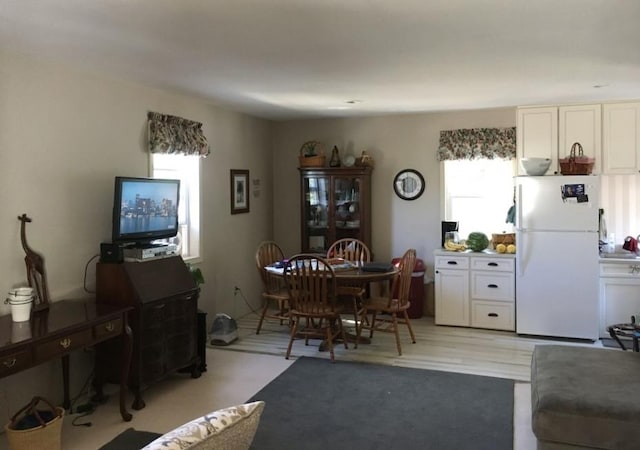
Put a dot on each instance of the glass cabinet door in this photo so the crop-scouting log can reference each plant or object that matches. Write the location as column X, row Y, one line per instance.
column 316, row 214
column 347, row 207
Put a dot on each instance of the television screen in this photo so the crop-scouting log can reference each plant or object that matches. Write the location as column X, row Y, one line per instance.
column 145, row 209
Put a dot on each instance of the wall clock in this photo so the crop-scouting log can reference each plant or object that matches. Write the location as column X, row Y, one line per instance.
column 408, row 184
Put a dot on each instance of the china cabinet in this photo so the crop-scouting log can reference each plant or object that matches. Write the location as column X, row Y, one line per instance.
column 335, row 204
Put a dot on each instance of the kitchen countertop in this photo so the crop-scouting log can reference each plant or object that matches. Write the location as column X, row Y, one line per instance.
column 491, row 253
column 618, row 258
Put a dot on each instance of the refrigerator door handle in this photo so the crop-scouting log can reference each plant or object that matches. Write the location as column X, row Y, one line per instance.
column 521, row 252
column 519, row 208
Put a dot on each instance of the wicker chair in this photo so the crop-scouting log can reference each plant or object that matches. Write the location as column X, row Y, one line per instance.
column 355, row 251
column 385, row 311
column 273, row 286
column 312, row 292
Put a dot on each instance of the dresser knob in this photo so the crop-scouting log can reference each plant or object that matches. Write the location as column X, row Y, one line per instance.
column 10, row 362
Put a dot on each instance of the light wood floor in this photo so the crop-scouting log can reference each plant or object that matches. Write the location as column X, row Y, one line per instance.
column 453, row 349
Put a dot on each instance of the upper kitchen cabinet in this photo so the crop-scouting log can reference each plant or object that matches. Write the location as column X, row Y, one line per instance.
column 537, row 135
column 549, row 132
column 621, row 138
column 335, row 204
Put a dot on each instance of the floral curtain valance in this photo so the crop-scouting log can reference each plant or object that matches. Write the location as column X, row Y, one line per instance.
column 176, row 136
column 475, row 143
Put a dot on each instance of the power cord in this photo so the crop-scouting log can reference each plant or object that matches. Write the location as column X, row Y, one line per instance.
column 239, row 291
column 86, row 267
column 85, row 409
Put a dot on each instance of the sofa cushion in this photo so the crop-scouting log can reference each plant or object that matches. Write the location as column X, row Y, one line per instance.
column 586, row 396
column 230, row 428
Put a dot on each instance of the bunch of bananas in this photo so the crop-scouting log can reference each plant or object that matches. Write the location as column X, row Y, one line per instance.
column 454, row 247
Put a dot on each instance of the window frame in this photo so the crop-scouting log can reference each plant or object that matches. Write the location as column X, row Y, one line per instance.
column 193, row 205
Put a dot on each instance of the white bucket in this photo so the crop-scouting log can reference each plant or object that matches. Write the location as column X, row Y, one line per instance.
column 20, row 309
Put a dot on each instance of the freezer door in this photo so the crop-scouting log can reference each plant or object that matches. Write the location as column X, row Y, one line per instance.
column 557, row 284
column 554, row 203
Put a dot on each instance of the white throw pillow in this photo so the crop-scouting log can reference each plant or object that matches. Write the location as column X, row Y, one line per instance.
column 231, row 428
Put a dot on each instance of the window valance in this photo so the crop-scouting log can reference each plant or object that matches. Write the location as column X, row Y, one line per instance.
column 175, row 135
column 474, row 143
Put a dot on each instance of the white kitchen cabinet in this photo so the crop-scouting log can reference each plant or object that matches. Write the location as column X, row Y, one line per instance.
column 492, row 293
column 452, row 290
column 621, row 138
column 619, row 293
column 551, row 131
column 583, row 124
column 537, row 135
column 475, row 289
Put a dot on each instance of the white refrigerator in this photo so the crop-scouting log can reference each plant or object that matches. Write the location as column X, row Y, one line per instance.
column 557, row 256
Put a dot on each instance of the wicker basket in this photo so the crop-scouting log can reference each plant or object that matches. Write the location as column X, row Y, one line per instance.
column 504, row 238
column 576, row 163
column 311, row 155
column 48, row 435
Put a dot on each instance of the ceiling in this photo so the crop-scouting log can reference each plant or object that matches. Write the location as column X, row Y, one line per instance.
column 287, row 59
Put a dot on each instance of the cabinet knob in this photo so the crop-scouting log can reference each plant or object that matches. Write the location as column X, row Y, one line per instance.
column 9, row 362
column 493, row 264
column 65, row 343
column 492, row 314
column 109, row 327
column 492, row 286
column 453, row 263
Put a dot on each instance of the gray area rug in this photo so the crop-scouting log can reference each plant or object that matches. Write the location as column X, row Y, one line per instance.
column 315, row 404
column 130, row 439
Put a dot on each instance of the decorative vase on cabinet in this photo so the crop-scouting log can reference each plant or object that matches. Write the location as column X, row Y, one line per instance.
column 335, row 204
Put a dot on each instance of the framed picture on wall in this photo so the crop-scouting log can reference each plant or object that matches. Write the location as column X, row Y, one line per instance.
column 239, row 191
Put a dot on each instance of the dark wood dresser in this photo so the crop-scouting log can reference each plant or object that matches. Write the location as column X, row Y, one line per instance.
column 164, row 298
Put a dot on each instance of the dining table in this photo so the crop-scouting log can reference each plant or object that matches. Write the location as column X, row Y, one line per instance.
column 351, row 273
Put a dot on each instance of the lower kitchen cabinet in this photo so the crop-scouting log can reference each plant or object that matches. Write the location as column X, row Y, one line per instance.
column 475, row 289
column 619, row 293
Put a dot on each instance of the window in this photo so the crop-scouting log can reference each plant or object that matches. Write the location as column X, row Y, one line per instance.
column 477, row 194
column 187, row 170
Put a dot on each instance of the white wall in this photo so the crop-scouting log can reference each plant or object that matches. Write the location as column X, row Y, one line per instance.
column 64, row 135
column 395, row 143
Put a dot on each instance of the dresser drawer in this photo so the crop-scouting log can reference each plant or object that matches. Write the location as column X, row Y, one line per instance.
column 451, row 262
column 14, row 362
column 493, row 264
column 63, row 345
column 498, row 286
column 494, row 315
column 108, row 329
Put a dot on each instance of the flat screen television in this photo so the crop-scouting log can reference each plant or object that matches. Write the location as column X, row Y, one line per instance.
column 144, row 210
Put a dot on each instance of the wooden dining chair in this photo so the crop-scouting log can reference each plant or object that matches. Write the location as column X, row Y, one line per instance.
column 388, row 312
column 314, row 310
column 273, row 288
column 355, row 251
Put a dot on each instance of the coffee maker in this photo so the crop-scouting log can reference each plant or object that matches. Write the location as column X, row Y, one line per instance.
column 446, row 227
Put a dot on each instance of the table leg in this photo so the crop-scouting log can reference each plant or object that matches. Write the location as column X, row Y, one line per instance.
column 66, row 403
column 127, row 350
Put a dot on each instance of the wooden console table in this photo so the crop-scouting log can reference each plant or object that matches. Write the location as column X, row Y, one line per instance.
column 66, row 326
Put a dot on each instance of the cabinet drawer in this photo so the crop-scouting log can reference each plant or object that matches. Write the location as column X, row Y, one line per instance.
column 494, row 315
column 493, row 264
column 107, row 329
column 492, row 286
column 63, row 345
column 15, row 362
column 452, row 262
column 626, row 269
